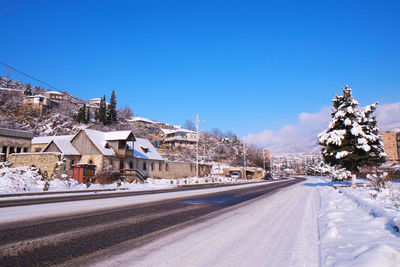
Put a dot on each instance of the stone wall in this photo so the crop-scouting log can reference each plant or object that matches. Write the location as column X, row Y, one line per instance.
column 45, row 162
column 171, row 169
column 389, row 140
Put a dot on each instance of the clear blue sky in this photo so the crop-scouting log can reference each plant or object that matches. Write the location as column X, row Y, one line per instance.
column 243, row 65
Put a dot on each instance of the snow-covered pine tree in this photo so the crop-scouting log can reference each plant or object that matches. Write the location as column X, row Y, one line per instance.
column 352, row 139
column 371, row 142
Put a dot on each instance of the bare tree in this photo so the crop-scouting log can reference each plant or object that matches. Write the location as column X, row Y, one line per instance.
column 189, row 125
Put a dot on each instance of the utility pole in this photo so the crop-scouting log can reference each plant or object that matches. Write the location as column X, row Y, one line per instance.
column 264, row 159
column 197, row 121
column 244, row 160
column 244, row 155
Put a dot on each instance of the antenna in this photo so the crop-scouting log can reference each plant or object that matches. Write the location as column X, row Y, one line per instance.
column 8, row 73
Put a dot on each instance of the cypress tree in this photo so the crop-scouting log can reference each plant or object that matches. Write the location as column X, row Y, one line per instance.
column 102, row 114
column 112, row 111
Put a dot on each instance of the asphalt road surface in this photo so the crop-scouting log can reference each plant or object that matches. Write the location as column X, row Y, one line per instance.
column 70, row 240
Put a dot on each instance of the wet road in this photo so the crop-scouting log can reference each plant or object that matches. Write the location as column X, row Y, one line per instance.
column 4, row 202
column 63, row 240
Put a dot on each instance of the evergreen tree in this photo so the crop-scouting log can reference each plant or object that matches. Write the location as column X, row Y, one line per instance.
column 28, row 89
column 352, row 139
column 87, row 115
column 112, row 111
column 102, row 113
column 80, row 115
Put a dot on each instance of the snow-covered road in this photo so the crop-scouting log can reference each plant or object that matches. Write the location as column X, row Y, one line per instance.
column 279, row 230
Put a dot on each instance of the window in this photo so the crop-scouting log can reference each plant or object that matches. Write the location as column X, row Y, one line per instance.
column 144, row 166
column 90, row 161
column 4, row 150
column 37, row 149
column 25, row 149
column 130, row 165
column 166, row 167
column 12, row 149
column 18, row 150
column 152, row 166
column 160, row 166
column 122, row 144
column 145, row 149
column 121, row 164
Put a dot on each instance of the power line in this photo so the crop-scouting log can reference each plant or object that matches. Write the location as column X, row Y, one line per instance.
column 33, row 78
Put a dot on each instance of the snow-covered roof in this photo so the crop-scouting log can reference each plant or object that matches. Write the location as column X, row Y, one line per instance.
column 65, row 146
column 99, row 141
column 48, row 139
column 169, row 131
column 145, row 150
column 141, row 119
column 34, row 96
column 53, row 92
column 117, row 135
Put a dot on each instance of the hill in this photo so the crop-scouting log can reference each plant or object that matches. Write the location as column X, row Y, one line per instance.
column 214, row 146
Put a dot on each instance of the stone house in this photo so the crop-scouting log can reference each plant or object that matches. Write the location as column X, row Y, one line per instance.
column 118, row 150
column 14, row 141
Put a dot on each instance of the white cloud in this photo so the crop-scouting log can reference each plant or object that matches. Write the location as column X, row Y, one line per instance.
column 301, row 138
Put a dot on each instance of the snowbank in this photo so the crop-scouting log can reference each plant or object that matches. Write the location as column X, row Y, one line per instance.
column 356, row 230
column 27, row 179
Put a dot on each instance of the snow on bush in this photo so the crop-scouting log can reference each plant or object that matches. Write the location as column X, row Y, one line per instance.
column 20, row 179
column 28, row 179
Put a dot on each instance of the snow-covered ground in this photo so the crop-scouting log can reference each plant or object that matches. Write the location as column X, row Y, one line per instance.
column 356, row 230
column 26, row 179
column 307, row 224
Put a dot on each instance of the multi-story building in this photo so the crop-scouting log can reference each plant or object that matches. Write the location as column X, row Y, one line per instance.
column 391, row 144
column 179, row 137
column 39, row 103
column 55, row 96
column 103, row 150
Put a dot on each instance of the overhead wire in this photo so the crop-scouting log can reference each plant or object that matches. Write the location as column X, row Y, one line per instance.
column 27, row 75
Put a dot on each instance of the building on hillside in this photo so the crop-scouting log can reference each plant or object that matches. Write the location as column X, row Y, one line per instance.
column 391, row 144
column 119, row 150
column 14, row 141
column 141, row 120
column 40, row 103
column 179, row 137
column 55, row 96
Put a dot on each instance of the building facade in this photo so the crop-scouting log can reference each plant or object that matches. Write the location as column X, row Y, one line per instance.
column 40, row 103
column 391, row 144
column 179, row 137
column 14, row 141
column 118, row 150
